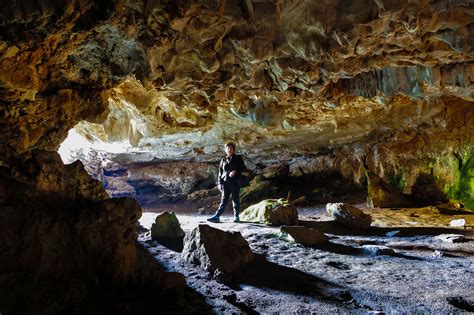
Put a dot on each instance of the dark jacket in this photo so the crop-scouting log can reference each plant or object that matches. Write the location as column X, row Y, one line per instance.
column 227, row 165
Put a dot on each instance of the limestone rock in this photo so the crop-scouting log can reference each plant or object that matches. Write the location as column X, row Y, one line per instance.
column 377, row 250
column 381, row 194
column 458, row 223
column 349, row 216
column 271, row 211
column 212, row 249
column 305, row 236
column 166, row 226
column 450, row 238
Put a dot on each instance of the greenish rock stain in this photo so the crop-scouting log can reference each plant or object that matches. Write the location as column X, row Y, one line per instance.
column 398, row 179
column 261, row 211
column 456, row 176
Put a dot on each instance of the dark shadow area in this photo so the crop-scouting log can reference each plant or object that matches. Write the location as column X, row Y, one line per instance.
column 343, row 249
column 324, row 187
column 175, row 244
column 81, row 293
column 332, row 227
column 461, row 303
column 426, row 192
column 262, row 273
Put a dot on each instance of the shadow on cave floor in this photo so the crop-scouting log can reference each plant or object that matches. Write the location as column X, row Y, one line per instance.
column 332, row 227
column 265, row 274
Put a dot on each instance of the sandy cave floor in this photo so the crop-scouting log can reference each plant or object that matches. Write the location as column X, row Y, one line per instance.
column 424, row 275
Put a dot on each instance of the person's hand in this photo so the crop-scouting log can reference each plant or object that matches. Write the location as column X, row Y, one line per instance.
column 232, row 174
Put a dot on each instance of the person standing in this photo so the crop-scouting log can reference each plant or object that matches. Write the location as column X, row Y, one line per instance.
column 230, row 170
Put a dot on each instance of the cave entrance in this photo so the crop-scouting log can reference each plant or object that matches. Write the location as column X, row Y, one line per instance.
column 187, row 186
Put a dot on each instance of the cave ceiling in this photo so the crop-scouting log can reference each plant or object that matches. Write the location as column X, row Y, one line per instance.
column 178, row 78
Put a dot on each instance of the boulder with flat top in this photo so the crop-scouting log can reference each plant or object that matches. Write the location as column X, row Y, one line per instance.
column 349, row 216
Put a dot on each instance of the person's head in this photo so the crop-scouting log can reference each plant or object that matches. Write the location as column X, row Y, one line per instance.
column 230, row 148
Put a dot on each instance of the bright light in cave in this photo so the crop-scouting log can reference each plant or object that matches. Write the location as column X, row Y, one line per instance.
column 75, row 145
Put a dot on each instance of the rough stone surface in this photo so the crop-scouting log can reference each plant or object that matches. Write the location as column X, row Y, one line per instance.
column 349, row 216
column 59, row 224
column 367, row 86
column 166, row 226
column 213, row 249
column 450, row 238
column 271, row 211
column 377, row 250
column 305, row 236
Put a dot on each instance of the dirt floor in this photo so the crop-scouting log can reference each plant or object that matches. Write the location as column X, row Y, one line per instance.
column 350, row 274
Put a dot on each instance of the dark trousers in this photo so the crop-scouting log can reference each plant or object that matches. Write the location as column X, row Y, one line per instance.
column 230, row 188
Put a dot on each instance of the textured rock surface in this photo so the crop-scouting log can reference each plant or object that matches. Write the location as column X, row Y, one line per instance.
column 305, row 236
column 349, row 216
column 214, row 249
column 355, row 87
column 61, row 233
column 271, row 211
column 166, row 226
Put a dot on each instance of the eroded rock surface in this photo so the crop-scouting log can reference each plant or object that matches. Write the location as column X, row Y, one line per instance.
column 166, row 226
column 349, row 216
column 305, row 236
column 271, row 211
column 213, row 249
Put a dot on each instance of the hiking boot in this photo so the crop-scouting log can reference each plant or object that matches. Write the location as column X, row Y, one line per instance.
column 214, row 219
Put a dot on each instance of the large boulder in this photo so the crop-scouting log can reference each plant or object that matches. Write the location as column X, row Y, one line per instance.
column 303, row 235
column 271, row 211
column 166, row 226
column 383, row 195
column 213, row 249
column 349, row 216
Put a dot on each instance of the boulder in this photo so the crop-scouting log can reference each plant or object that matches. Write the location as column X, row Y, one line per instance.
column 458, row 223
column 213, row 249
column 271, row 211
column 450, row 238
column 383, row 195
column 303, row 235
column 349, row 216
column 166, row 226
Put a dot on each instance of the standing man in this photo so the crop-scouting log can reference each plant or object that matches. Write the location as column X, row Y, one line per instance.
column 230, row 169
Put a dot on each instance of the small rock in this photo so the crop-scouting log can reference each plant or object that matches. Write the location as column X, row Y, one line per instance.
column 305, row 236
column 338, row 265
column 458, row 223
column 349, row 216
column 377, row 250
column 392, row 233
column 450, row 238
column 166, row 226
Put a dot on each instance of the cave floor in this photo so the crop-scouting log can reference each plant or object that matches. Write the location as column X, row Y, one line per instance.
column 423, row 274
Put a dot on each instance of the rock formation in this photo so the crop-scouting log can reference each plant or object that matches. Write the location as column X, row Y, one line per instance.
column 303, row 235
column 214, row 249
column 271, row 211
column 166, row 226
column 349, row 216
column 356, row 87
